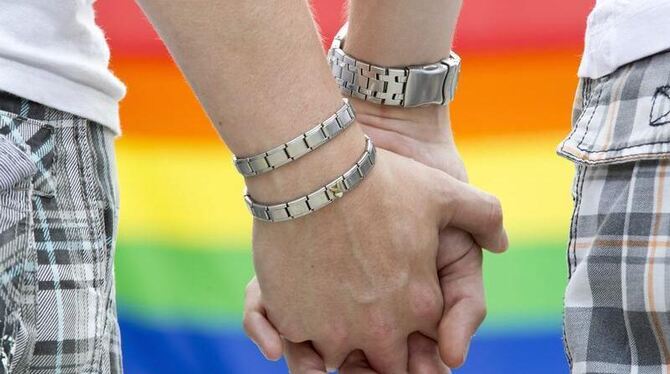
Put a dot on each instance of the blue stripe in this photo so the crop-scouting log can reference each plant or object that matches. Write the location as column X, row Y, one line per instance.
column 148, row 349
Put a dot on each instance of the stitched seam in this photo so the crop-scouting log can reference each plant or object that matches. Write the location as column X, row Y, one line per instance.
column 61, row 122
column 593, row 114
column 659, row 91
column 643, row 156
column 581, row 173
column 624, row 148
column 579, row 145
column 586, row 95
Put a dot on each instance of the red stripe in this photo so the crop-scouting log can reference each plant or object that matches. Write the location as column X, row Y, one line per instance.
column 484, row 25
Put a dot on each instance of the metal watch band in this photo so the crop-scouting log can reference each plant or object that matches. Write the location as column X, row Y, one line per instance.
column 408, row 86
column 298, row 147
column 319, row 198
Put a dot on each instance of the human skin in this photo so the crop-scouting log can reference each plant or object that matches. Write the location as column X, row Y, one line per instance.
column 459, row 263
column 341, row 277
column 400, row 33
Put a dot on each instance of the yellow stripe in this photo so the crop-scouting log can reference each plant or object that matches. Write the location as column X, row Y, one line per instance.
column 181, row 192
column 187, row 193
column 532, row 182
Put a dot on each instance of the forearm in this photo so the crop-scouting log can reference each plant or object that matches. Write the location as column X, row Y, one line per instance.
column 260, row 73
column 401, row 33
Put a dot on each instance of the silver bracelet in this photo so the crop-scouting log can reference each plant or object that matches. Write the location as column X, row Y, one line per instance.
column 408, row 86
column 319, row 198
column 298, row 147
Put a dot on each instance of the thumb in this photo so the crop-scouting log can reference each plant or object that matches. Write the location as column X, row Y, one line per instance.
column 474, row 211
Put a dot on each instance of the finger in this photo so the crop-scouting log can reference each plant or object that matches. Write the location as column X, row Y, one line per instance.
column 389, row 356
column 424, row 357
column 332, row 354
column 258, row 327
column 356, row 363
column 457, row 329
column 476, row 212
column 263, row 334
column 465, row 308
column 453, row 246
column 301, row 358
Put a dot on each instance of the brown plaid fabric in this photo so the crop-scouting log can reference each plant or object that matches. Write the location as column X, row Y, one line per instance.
column 58, row 214
column 617, row 303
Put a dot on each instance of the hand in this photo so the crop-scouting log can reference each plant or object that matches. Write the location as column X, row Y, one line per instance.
column 353, row 293
column 424, row 134
column 303, row 359
column 461, row 281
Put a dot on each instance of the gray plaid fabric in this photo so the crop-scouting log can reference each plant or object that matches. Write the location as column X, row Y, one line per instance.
column 58, row 214
column 617, row 303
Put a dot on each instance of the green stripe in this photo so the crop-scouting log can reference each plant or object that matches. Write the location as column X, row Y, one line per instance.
column 194, row 286
column 161, row 281
column 525, row 286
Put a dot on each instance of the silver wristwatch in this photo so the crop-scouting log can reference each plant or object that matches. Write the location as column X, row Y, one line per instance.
column 408, row 86
column 320, row 198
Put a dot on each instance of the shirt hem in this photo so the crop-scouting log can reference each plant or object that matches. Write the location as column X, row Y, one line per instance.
column 59, row 93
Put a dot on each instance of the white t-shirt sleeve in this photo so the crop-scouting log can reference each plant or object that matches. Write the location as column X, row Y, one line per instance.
column 623, row 31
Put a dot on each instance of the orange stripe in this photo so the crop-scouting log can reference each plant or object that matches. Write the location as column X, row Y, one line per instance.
column 658, row 329
column 498, row 94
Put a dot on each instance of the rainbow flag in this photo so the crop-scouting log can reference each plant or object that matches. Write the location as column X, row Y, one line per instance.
column 183, row 255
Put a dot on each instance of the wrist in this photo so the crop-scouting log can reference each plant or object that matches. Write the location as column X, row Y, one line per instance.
column 427, row 124
column 310, row 172
column 423, row 134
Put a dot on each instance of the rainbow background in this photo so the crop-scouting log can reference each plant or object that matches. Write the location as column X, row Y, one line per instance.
column 184, row 258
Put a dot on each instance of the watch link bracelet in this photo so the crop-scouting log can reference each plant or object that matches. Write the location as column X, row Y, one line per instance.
column 298, row 147
column 319, row 198
column 408, row 86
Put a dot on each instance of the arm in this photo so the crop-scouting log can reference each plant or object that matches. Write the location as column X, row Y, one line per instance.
column 401, row 33
column 255, row 68
column 340, row 277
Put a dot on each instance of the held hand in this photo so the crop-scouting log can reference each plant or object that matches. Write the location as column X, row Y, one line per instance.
column 303, row 359
column 424, row 135
column 362, row 275
column 459, row 261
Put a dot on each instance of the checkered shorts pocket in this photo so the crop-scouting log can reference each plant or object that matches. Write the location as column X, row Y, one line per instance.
column 35, row 138
column 624, row 116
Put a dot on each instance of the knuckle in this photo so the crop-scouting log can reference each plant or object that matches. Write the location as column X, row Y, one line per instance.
column 338, row 336
column 426, row 303
column 291, row 331
column 449, row 192
column 381, row 326
column 495, row 216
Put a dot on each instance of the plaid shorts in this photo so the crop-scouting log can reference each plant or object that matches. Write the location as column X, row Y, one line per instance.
column 617, row 303
column 58, row 215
